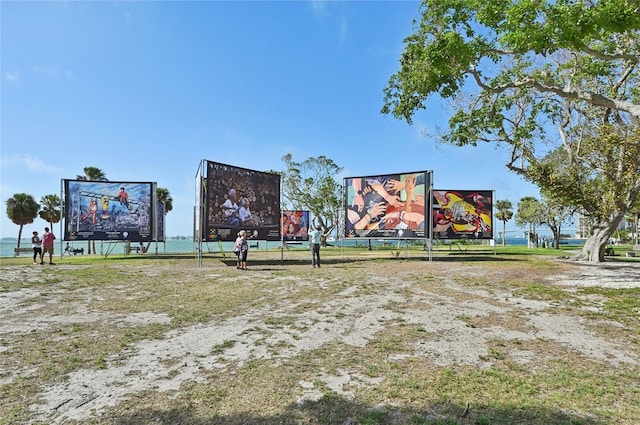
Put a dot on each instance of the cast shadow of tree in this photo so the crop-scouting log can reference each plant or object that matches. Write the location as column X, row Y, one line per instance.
column 335, row 410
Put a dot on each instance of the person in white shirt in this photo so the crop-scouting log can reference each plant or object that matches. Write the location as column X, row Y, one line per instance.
column 36, row 243
column 314, row 243
column 230, row 208
column 244, row 213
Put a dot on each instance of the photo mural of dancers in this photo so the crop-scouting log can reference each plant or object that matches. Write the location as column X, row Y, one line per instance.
column 462, row 214
column 387, row 206
column 108, row 210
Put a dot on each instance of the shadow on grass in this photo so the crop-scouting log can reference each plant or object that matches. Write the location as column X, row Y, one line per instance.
column 337, row 410
column 361, row 262
column 348, row 258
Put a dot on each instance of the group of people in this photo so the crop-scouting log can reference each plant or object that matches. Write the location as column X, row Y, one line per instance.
column 241, row 248
column 42, row 246
column 237, row 215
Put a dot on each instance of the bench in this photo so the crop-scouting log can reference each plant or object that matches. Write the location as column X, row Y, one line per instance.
column 634, row 251
column 74, row 251
column 17, row 251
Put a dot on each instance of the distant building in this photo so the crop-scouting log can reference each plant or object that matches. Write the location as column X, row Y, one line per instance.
column 583, row 225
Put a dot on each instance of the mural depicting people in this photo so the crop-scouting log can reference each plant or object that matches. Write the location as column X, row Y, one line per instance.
column 295, row 225
column 244, row 214
column 224, row 190
column 123, row 197
column 96, row 210
column 92, row 212
column 230, row 208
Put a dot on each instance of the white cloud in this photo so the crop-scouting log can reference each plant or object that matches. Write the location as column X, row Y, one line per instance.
column 344, row 29
column 30, row 163
column 11, row 77
column 318, row 7
column 52, row 71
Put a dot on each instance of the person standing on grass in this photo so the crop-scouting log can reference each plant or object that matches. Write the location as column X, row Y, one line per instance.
column 36, row 243
column 241, row 249
column 314, row 242
column 47, row 245
column 244, row 250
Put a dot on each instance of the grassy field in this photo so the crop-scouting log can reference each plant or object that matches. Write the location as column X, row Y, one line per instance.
column 473, row 335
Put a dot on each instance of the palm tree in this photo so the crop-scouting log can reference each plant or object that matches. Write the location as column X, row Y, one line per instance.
column 504, row 214
column 93, row 174
column 50, row 209
column 165, row 198
column 22, row 209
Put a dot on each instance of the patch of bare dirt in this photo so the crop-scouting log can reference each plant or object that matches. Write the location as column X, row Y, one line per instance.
column 442, row 305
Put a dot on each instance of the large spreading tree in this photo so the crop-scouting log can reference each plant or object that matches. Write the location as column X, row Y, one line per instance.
column 311, row 185
column 537, row 77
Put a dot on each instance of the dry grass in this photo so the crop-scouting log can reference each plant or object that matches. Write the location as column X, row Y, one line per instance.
column 366, row 339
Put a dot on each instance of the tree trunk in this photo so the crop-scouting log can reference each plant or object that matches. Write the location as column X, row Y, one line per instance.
column 532, row 243
column 594, row 246
column 20, row 234
column 556, row 237
column 596, row 243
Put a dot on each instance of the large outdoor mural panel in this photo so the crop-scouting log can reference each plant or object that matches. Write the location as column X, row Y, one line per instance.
column 240, row 199
column 295, row 225
column 387, row 206
column 462, row 214
column 108, row 210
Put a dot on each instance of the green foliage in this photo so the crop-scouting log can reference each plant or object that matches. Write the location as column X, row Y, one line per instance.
column 504, row 214
column 311, row 185
column 22, row 209
column 529, row 212
column 601, row 174
column 165, row 198
column 51, row 209
column 518, row 70
column 93, row 174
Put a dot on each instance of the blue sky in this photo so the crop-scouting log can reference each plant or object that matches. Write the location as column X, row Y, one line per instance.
column 146, row 90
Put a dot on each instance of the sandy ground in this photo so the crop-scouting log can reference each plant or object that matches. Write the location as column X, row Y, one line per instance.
column 184, row 354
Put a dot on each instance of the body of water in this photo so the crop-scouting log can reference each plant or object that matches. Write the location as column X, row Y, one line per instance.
column 186, row 246
column 172, row 246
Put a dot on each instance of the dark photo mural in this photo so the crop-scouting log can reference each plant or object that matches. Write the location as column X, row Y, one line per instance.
column 462, row 214
column 387, row 206
column 241, row 199
column 108, row 210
